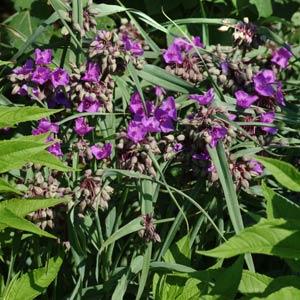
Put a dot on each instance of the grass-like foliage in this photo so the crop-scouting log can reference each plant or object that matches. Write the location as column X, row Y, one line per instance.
column 149, row 149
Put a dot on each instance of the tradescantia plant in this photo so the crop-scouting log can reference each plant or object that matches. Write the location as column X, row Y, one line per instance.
column 162, row 136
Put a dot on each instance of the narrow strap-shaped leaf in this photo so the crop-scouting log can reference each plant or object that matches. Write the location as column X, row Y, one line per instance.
column 219, row 160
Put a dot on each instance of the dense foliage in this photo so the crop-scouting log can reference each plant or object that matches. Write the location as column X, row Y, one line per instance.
column 149, row 153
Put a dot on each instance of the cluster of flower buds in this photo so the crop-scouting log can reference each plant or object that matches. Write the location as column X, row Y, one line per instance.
column 207, row 126
column 128, row 29
column 182, row 60
column 114, row 52
column 92, row 193
column 93, row 89
column 135, row 156
column 47, row 187
column 243, row 170
column 148, row 233
column 45, row 126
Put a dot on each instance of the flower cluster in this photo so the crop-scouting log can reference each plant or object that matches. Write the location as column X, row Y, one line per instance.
column 40, row 81
column 181, row 59
column 45, row 126
column 147, row 117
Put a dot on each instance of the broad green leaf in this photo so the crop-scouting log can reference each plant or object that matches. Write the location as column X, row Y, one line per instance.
column 180, row 252
column 279, row 206
column 33, row 283
column 9, row 219
column 286, row 174
column 15, row 153
column 45, row 158
column 8, row 188
column 36, row 34
column 22, row 207
column 277, row 237
column 10, row 116
column 252, row 283
column 264, row 7
column 284, row 293
column 228, row 281
column 159, row 76
column 281, row 282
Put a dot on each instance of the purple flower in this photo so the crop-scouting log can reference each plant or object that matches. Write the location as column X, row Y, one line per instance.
column 217, row 133
column 281, row 57
column 224, row 67
column 59, row 77
column 256, row 167
column 23, row 90
column 263, row 83
column 244, row 100
column 166, row 125
column 279, row 95
column 25, row 69
column 45, row 126
column 268, row 118
column 182, row 44
column 135, row 48
column 43, row 57
column 173, row 55
column 231, row 117
column 151, row 124
column 92, row 73
column 168, row 108
column 204, row 99
column 136, row 104
column 159, row 91
column 201, row 156
column 177, row 147
column 41, row 75
column 55, row 148
column 197, row 41
column 136, row 131
column 102, row 152
column 88, row 104
column 82, row 127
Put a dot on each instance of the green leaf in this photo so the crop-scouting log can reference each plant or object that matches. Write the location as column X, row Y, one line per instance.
column 252, row 283
column 264, row 8
column 22, row 207
column 10, row 116
column 279, row 206
column 284, row 293
column 33, row 283
column 145, row 270
column 133, row 226
column 286, row 174
column 159, row 76
column 102, row 10
column 45, row 158
column 277, row 237
column 228, row 281
column 7, row 188
column 220, row 162
column 9, row 219
column 15, row 153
